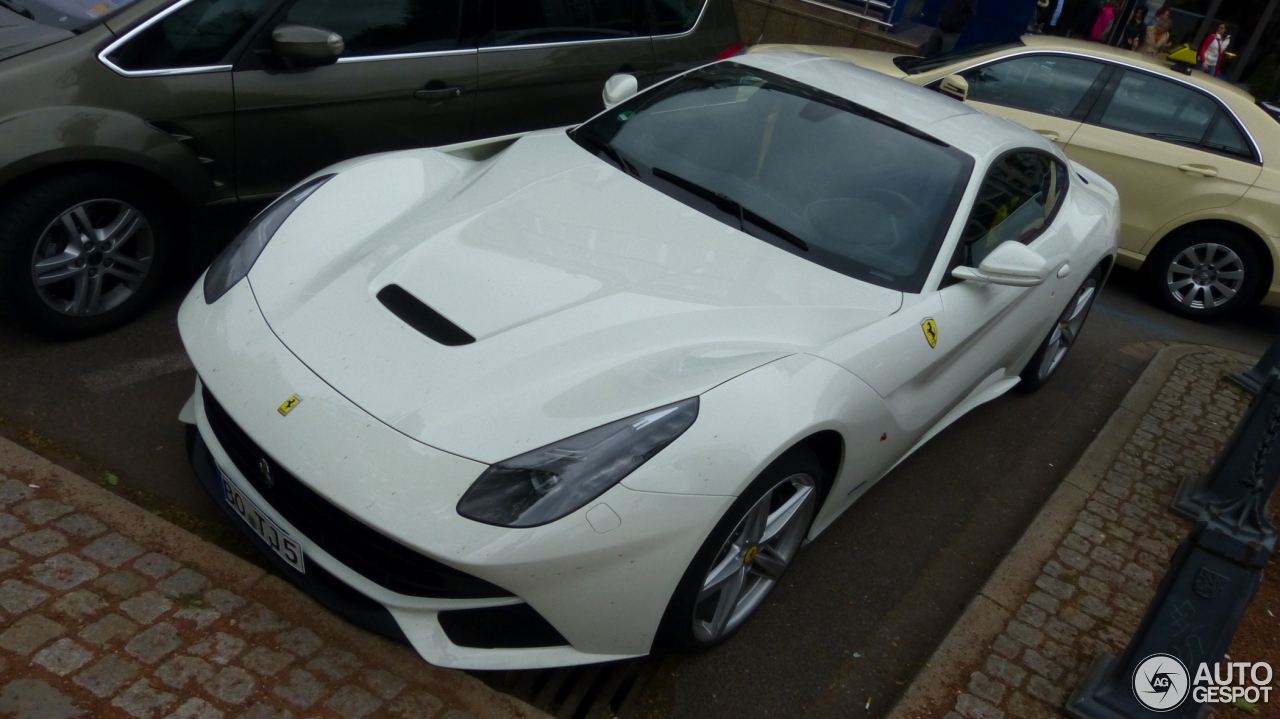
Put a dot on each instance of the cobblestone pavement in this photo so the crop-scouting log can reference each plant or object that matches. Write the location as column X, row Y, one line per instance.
column 1090, row 596
column 97, row 623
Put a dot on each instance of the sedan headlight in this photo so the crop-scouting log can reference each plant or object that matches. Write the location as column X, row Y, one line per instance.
column 236, row 261
column 548, row 483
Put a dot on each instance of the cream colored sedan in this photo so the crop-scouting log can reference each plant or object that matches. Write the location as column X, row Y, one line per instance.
column 1196, row 160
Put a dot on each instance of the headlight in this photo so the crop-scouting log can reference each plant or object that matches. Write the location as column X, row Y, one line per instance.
column 546, row 484
column 236, row 261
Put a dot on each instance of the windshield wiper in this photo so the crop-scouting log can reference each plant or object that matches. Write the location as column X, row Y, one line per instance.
column 604, row 147
column 15, row 7
column 731, row 206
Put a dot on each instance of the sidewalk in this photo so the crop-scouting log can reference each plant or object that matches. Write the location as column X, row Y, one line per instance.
column 108, row 611
column 1082, row 576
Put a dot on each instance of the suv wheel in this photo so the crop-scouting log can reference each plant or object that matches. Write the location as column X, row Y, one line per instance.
column 82, row 253
column 1204, row 273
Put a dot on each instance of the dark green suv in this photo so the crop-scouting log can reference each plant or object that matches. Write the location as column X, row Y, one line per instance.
column 129, row 128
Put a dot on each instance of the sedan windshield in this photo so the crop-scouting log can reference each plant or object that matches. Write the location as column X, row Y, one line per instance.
column 806, row 171
column 72, row 15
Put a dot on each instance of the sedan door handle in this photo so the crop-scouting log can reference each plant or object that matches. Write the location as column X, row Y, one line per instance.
column 438, row 94
column 1050, row 135
column 1202, row 170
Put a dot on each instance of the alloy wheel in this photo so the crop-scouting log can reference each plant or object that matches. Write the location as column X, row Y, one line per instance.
column 753, row 558
column 1205, row 276
column 93, row 257
column 1067, row 329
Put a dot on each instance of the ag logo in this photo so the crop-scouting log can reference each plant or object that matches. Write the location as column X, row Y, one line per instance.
column 1161, row 682
column 930, row 331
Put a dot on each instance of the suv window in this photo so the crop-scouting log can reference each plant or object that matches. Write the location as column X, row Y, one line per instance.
column 1047, row 84
column 385, row 27
column 1017, row 200
column 1147, row 105
column 676, row 16
column 198, row 34
column 526, row 22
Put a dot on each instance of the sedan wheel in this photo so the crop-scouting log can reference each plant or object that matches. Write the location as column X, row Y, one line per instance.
column 746, row 554
column 1204, row 273
column 1065, row 331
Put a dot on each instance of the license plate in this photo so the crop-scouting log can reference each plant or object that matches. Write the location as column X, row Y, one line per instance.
column 275, row 537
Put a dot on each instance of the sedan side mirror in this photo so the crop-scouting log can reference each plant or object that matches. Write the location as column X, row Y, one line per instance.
column 619, row 88
column 306, row 46
column 954, row 86
column 1011, row 263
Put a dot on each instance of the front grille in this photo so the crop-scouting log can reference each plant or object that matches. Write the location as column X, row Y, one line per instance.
column 365, row 550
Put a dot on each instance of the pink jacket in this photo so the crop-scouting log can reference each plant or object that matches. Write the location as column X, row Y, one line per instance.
column 1103, row 23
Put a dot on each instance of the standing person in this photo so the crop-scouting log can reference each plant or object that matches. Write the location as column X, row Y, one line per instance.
column 1213, row 50
column 951, row 21
column 1157, row 40
column 1135, row 31
column 1052, row 16
column 1102, row 26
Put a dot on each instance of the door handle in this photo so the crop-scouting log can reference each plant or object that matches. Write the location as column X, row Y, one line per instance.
column 1050, row 135
column 438, row 94
column 1064, row 270
column 1202, row 170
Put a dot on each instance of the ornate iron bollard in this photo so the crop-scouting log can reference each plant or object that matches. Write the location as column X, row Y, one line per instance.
column 1211, row 580
column 1252, row 379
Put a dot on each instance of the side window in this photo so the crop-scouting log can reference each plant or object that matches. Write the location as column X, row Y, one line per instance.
column 527, row 22
column 1224, row 136
column 385, row 27
column 676, row 16
column 198, row 34
column 1017, row 199
column 1147, row 105
column 1047, row 84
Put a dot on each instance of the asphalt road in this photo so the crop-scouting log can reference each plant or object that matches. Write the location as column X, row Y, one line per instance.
column 885, row 582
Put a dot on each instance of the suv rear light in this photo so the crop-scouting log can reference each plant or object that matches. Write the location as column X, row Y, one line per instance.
column 733, row 51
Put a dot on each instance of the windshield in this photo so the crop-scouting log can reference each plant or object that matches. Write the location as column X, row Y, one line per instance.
column 71, row 15
column 916, row 65
column 804, row 170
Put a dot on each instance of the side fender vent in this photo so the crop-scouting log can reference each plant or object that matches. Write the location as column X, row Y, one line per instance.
column 422, row 318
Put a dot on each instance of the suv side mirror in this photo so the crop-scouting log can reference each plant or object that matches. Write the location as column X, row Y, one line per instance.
column 1011, row 263
column 619, row 88
column 306, row 46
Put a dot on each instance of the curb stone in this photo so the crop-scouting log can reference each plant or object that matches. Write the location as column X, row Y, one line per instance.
column 973, row 634
column 463, row 695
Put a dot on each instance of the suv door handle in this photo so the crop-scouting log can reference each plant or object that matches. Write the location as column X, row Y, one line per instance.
column 1049, row 135
column 438, row 94
column 1202, row 170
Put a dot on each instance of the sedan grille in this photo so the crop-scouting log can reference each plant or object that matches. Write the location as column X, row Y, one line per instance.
column 365, row 550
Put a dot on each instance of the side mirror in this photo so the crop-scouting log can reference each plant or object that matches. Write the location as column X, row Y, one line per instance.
column 306, row 46
column 954, row 86
column 619, row 88
column 1012, row 264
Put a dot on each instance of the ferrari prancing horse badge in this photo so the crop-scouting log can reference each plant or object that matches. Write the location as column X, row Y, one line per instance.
column 930, row 331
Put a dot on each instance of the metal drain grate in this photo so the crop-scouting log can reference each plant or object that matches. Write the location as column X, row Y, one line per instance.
column 596, row 691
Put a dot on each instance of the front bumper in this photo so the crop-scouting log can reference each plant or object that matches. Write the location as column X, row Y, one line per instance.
column 604, row 592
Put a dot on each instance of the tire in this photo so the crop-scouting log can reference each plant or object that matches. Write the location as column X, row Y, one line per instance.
column 100, row 242
column 1204, row 273
column 789, row 490
column 1066, row 329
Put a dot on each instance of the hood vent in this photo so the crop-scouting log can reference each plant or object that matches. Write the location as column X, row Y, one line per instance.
column 422, row 318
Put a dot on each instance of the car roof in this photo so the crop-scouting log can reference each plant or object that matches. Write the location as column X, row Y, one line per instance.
column 965, row 128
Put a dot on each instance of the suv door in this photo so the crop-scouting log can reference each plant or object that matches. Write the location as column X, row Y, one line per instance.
column 1168, row 147
column 407, row 78
column 543, row 63
column 1048, row 93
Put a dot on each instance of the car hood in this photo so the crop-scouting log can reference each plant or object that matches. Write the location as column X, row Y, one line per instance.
column 19, row 35
column 590, row 296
